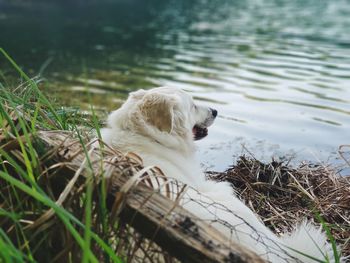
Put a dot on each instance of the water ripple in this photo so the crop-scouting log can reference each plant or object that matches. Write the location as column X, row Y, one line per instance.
column 277, row 71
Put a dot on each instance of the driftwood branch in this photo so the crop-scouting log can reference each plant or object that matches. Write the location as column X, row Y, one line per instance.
column 153, row 215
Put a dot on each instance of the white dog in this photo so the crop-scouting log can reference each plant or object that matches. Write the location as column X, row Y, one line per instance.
column 161, row 125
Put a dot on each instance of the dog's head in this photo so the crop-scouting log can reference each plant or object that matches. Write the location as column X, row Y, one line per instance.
column 169, row 111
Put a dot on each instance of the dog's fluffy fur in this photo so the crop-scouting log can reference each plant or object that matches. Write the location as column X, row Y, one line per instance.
column 161, row 125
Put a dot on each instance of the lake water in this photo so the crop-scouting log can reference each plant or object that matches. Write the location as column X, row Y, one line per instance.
column 277, row 71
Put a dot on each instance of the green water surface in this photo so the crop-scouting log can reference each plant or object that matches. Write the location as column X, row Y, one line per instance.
column 277, row 71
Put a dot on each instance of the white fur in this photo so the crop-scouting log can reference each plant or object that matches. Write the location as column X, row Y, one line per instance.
column 157, row 125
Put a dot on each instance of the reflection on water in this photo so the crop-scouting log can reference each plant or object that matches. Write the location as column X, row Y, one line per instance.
column 277, row 71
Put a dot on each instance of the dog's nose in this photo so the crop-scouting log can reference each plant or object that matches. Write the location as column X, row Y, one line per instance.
column 214, row 112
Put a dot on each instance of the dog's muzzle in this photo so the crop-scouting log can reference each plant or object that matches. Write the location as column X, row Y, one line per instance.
column 201, row 131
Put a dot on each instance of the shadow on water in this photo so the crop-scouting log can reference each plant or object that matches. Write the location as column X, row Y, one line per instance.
column 277, row 71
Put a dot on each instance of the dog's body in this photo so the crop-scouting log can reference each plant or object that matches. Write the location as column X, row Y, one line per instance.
column 160, row 125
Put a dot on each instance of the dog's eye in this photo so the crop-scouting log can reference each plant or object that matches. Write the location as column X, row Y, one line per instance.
column 194, row 106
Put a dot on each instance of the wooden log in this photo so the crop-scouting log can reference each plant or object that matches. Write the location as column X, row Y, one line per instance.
column 153, row 215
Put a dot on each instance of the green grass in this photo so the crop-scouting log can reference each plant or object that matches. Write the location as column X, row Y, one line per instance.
column 25, row 192
column 327, row 229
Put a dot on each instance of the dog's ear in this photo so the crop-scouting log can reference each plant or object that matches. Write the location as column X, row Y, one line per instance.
column 137, row 94
column 157, row 109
